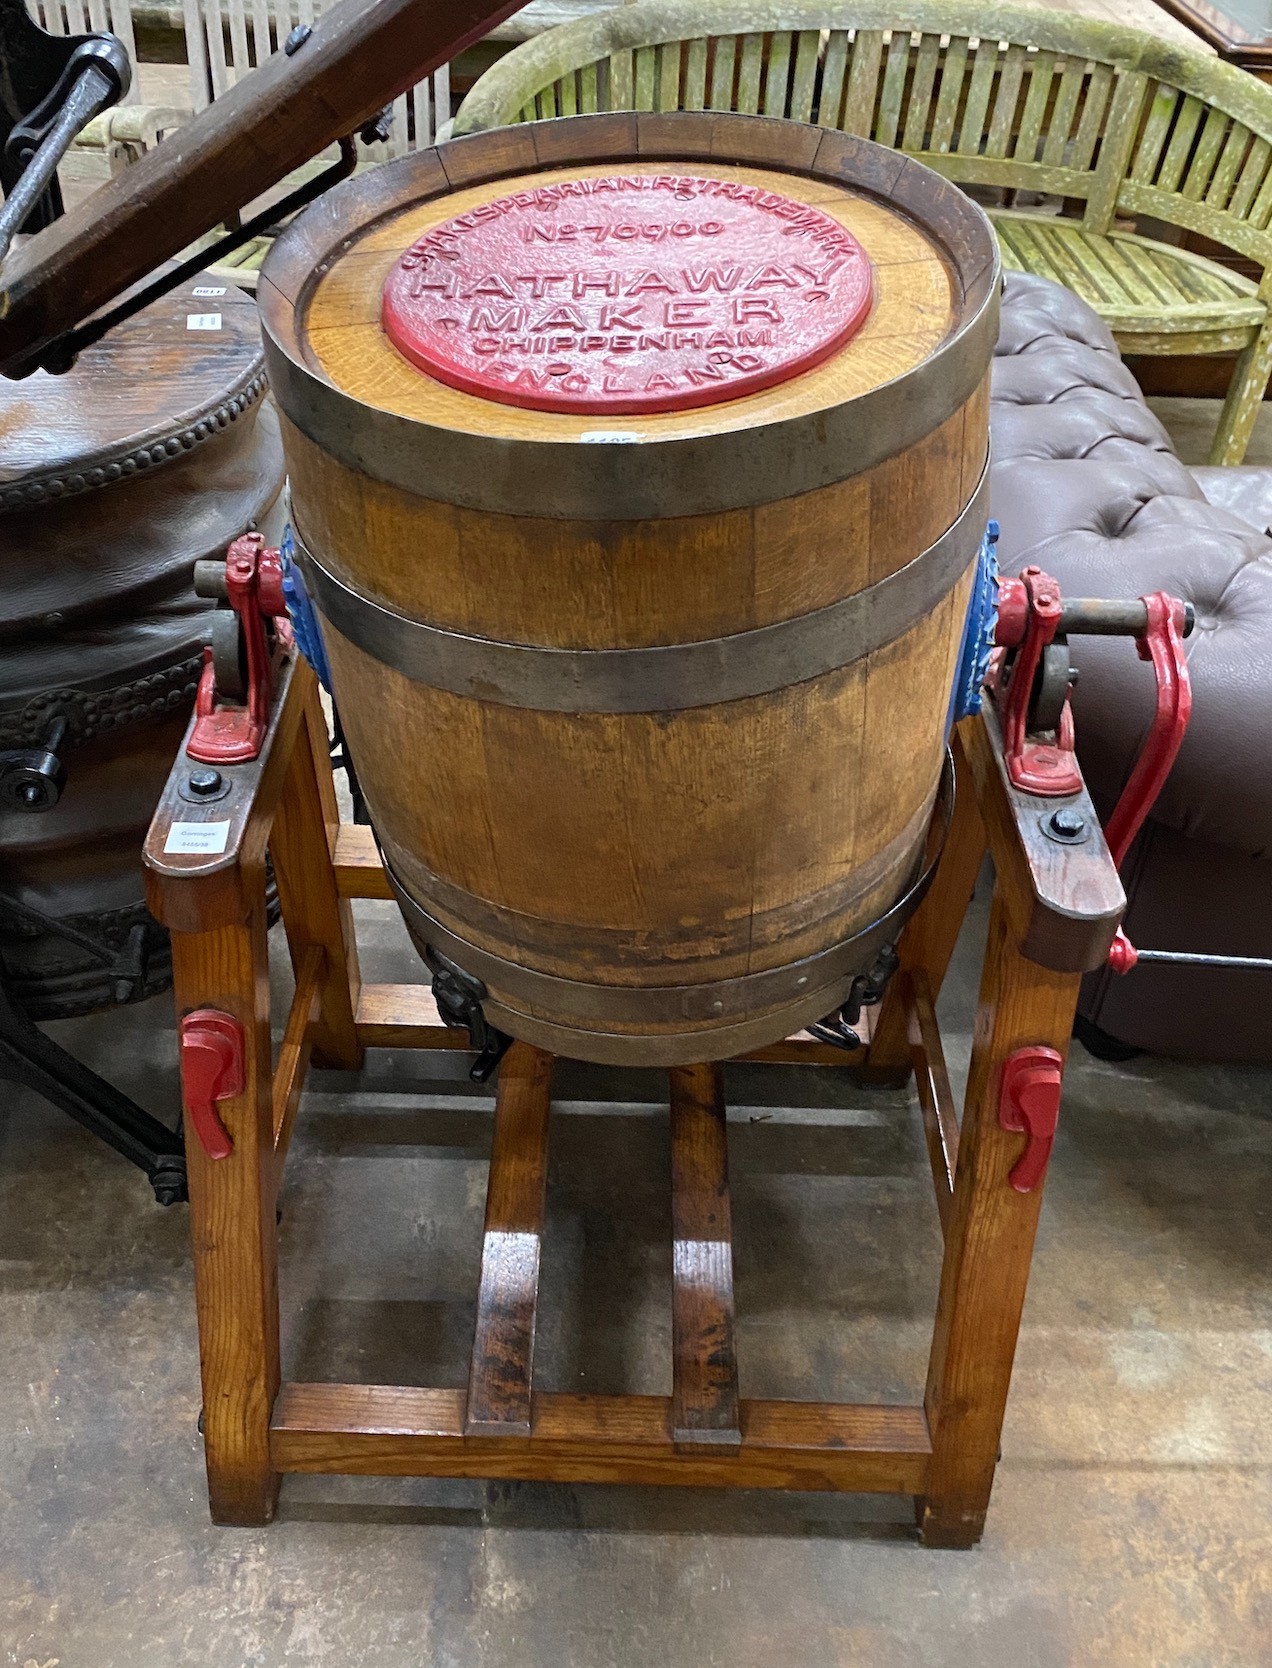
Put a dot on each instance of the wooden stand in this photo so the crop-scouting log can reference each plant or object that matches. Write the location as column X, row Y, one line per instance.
column 1055, row 909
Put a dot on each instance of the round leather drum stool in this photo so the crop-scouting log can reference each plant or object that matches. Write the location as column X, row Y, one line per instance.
column 155, row 450
column 641, row 502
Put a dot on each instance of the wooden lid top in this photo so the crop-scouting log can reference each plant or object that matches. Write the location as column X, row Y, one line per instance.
column 912, row 312
column 917, row 358
column 154, row 388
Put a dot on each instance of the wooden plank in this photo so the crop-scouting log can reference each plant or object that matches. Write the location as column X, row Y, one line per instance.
column 1002, row 121
column 929, row 938
column 722, row 70
column 972, row 127
column 989, row 1239
column 834, row 69
column 892, row 89
column 918, row 105
column 359, row 866
column 297, row 1045
column 391, row 1430
column 863, row 82
column 403, row 1016
column 807, row 44
column 777, row 73
column 502, row 1369
column 232, row 1227
column 300, row 844
column 940, row 1120
column 704, row 1362
column 949, row 98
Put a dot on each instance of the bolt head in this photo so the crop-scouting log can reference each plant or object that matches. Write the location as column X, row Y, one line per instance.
column 204, row 782
column 299, row 35
column 1067, row 822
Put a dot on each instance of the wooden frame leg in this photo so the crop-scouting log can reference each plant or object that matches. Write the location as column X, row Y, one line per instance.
column 233, row 1229
column 501, row 1374
column 988, row 1245
column 929, row 939
column 1243, row 399
column 314, row 914
column 704, row 1395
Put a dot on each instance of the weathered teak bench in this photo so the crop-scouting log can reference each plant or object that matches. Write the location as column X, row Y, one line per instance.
column 1107, row 124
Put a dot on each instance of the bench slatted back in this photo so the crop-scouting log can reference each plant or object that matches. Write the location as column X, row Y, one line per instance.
column 227, row 38
column 81, row 17
column 1041, row 102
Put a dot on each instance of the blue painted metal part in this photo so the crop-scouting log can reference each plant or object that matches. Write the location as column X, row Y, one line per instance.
column 300, row 609
column 978, row 633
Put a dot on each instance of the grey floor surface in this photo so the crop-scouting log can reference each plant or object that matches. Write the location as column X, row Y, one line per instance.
column 1132, row 1518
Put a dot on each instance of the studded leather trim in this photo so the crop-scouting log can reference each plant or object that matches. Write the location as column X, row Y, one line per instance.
column 35, row 490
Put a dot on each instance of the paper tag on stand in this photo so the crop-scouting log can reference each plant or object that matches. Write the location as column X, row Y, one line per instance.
column 197, row 839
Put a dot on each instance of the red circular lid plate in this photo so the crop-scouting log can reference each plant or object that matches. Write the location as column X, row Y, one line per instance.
column 627, row 294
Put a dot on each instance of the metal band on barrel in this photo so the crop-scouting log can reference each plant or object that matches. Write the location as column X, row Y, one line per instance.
column 668, row 677
column 702, row 1004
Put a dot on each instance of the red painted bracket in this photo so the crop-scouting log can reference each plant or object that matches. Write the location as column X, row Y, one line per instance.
column 1029, row 1102
column 1029, row 614
column 254, row 585
column 212, row 1069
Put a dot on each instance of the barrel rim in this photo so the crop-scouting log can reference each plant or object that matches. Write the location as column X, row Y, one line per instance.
column 645, row 478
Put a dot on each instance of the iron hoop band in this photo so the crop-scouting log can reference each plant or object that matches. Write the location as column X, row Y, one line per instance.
column 665, row 678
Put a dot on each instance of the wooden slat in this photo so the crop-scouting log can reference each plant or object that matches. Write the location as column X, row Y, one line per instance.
column 391, row 1430
column 892, row 90
column 808, row 43
column 1202, row 166
column 722, row 69
column 668, row 94
column 972, row 128
column 704, row 1362
column 403, row 1016
column 948, row 99
column 1187, row 122
column 940, row 1119
column 502, row 1370
column 297, row 1045
column 1002, row 121
column 777, row 73
column 1091, row 123
column 1068, row 90
column 749, row 71
column 622, row 86
column 834, row 69
column 695, row 75
column 1041, row 68
column 1253, row 172
column 863, row 82
column 359, row 869
column 588, row 100
column 1236, row 148
column 1156, row 126
column 914, row 134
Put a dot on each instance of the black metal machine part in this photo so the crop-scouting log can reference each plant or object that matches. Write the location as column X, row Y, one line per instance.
column 51, row 87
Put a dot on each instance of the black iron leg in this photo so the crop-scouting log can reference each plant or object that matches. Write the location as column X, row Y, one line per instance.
column 28, row 1057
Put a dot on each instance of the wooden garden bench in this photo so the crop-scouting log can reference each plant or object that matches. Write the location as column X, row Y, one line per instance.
column 1082, row 130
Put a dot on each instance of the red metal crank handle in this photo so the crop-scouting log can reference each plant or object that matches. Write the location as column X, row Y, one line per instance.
column 1163, row 644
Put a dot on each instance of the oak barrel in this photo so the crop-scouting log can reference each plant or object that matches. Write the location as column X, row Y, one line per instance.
column 154, row 451
column 646, row 676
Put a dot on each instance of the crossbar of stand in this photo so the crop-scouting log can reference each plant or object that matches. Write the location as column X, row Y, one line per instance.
column 1053, row 915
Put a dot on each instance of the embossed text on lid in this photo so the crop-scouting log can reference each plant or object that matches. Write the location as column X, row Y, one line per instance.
column 628, row 294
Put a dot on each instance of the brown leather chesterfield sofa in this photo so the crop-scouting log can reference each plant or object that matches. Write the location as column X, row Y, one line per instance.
column 1087, row 485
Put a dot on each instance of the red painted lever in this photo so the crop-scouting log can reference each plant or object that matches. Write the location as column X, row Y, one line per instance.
column 211, row 1070
column 1029, row 1101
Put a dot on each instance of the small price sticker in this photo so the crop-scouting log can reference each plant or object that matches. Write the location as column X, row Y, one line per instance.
column 208, row 289
column 203, row 321
column 197, row 839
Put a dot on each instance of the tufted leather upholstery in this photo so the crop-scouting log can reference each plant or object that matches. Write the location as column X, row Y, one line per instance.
column 1087, row 485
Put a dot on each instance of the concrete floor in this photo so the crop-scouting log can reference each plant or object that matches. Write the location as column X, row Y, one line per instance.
column 1132, row 1518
